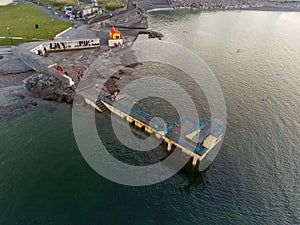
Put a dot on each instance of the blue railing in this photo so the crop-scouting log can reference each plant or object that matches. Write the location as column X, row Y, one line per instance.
column 124, row 106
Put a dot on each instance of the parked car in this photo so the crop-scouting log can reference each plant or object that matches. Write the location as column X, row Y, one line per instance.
column 67, row 8
column 68, row 12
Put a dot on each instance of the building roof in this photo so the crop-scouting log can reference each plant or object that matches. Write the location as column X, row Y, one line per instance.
column 114, row 31
column 77, row 8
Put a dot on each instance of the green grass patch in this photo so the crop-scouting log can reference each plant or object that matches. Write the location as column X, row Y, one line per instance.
column 55, row 4
column 113, row 7
column 59, row 4
column 112, row 4
column 8, row 41
column 21, row 20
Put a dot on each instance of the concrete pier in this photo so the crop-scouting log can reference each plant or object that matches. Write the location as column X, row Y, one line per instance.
column 187, row 148
column 97, row 75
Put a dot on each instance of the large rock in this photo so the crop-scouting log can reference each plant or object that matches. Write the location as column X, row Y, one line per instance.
column 49, row 88
column 128, row 59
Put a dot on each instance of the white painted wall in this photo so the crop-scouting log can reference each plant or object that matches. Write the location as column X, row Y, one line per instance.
column 5, row 2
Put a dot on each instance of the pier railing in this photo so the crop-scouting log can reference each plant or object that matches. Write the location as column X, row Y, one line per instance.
column 125, row 106
column 201, row 128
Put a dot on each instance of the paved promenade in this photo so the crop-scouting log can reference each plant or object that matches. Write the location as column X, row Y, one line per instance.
column 153, row 4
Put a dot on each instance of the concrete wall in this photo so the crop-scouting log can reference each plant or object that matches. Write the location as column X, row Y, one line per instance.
column 68, row 45
column 5, row 2
column 39, row 63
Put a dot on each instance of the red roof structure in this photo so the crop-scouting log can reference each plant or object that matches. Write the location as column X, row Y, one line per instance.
column 114, row 34
column 114, row 31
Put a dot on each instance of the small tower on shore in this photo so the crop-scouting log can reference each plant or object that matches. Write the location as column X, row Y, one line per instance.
column 116, row 39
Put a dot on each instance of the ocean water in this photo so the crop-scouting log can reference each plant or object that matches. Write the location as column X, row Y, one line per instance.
column 254, row 179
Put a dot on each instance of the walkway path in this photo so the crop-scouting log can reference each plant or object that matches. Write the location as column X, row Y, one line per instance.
column 21, row 38
column 143, row 4
column 130, row 7
column 153, row 4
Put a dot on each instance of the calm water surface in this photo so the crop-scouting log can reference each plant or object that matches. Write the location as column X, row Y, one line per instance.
column 254, row 179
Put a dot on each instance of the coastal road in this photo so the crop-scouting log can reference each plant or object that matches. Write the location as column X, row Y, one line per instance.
column 144, row 4
column 59, row 16
column 130, row 7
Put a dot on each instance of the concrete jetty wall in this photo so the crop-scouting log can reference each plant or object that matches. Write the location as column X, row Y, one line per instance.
column 197, row 160
column 38, row 63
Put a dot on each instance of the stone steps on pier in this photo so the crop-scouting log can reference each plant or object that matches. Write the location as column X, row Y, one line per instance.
column 101, row 106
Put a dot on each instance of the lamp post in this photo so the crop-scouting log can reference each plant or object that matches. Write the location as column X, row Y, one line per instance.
column 9, row 34
column 54, row 30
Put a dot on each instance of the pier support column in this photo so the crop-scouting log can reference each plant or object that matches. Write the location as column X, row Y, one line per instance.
column 169, row 146
column 158, row 135
column 148, row 129
column 138, row 124
column 122, row 115
column 129, row 119
column 194, row 163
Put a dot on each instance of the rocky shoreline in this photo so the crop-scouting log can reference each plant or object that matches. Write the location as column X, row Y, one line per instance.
column 236, row 5
column 49, row 88
column 21, row 88
column 14, row 98
column 108, row 66
column 12, row 70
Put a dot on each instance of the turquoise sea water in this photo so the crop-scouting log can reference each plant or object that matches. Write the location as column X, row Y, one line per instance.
column 253, row 180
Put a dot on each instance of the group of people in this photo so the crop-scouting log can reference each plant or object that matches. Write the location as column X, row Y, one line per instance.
column 83, row 43
column 114, row 95
column 57, row 45
column 42, row 51
column 119, row 45
column 74, row 44
column 79, row 76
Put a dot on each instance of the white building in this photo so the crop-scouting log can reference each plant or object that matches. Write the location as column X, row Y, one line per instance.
column 89, row 9
column 5, row 2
